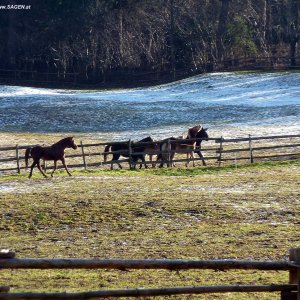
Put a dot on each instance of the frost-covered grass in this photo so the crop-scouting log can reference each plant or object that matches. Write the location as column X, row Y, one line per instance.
column 251, row 212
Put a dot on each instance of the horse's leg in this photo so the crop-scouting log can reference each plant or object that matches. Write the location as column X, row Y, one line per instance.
column 134, row 162
column 193, row 158
column 159, row 157
column 142, row 157
column 39, row 167
column 54, row 168
column 162, row 156
column 65, row 166
column 166, row 159
column 144, row 161
column 202, row 158
column 119, row 163
column 141, row 164
column 31, row 169
column 189, row 157
column 116, row 158
column 169, row 161
column 172, row 164
column 151, row 160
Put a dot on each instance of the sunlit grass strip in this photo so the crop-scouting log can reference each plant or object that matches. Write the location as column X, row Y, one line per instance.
column 167, row 171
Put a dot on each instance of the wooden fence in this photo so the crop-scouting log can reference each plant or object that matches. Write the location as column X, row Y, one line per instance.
column 30, row 76
column 289, row 291
column 215, row 151
column 139, row 78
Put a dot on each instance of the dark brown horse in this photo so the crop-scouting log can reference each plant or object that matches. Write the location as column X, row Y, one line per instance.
column 138, row 151
column 55, row 152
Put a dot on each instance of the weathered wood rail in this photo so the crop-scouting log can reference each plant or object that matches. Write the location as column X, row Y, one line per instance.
column 215, row 150
column 289, row 291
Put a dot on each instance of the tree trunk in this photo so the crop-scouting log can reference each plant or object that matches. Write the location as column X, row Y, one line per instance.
column 12, row 40
column 172, row 43
column 294, row 31
column 222, row 28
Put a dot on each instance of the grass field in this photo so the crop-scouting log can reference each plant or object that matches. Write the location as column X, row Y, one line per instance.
column 251, row 212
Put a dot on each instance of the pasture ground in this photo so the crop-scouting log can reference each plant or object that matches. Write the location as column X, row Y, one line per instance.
column 251, row 212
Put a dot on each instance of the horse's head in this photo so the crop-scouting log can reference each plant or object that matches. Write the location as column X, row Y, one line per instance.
column 71, row 143
column 202, row 134
column 193, row 131
column 150, row 139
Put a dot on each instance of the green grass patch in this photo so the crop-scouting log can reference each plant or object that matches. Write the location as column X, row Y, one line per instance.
column 248, row 212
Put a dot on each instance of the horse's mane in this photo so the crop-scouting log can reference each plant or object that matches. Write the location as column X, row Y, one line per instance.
column 64, row 140
column 195, row 129
column 146, row 139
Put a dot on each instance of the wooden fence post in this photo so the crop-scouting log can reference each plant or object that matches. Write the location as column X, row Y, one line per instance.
column 18, row 158
column 169, row 148
column 220, row 150
column 45, row 166
column 83, row 155
column 294, row 275
column 6, row 254
column 250, row 149
column 130, row 154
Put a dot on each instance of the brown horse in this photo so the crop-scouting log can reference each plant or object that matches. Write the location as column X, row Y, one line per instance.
column 55, row 152
column 150, row 150
column 176, row 145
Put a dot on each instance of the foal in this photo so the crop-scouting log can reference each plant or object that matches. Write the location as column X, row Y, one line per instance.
column 55, row 152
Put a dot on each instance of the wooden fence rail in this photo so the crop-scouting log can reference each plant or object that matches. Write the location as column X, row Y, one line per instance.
column 121, row 77
column 288, row 291
column 231, row 149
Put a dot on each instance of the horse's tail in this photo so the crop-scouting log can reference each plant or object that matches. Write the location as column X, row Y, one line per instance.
column 27, row 154
column 106, row 149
